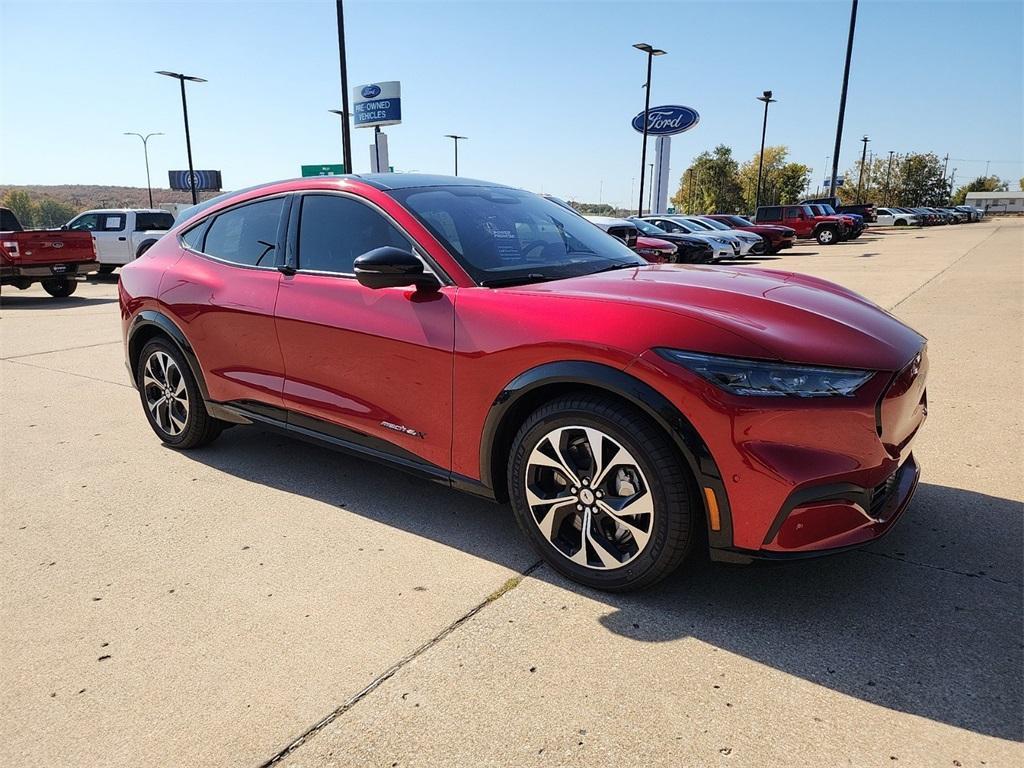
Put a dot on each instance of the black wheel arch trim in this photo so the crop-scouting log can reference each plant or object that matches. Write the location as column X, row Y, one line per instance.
column 616, row 382
column 151, row 318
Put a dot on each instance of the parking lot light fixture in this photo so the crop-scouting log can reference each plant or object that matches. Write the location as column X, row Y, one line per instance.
column 842, row 99
column 456, row 139
column 145, row 152
column 188, row 138
column 651, row 53
column 863, row 162
column 766, row 97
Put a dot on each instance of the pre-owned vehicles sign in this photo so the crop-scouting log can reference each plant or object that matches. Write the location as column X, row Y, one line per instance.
column 377, row 104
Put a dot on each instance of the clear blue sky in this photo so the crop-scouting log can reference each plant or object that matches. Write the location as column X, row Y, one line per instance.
column 545, row 91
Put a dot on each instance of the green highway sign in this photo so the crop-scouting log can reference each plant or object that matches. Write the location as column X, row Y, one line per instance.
column 336, row 169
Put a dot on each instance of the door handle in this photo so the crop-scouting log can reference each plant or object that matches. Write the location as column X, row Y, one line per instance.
column 122, row 238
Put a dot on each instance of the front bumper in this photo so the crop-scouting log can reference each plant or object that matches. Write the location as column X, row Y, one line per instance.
column 797, row 477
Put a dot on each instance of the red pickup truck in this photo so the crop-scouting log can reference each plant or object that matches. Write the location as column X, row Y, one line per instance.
column 51, row 257
column 827, row 230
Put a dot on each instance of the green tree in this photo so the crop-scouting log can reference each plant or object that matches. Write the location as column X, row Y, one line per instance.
column 980, row 184
column 781, row 182
column 21, row 203
column 710, row 184
column 52, row 213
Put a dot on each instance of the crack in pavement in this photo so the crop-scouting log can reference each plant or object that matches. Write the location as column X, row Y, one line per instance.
column 69, row 373
column 64, row 349
column 941, row 272
column 390, row 672
column 934, row 567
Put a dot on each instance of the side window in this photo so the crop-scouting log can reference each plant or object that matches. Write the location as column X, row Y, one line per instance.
column 112, row 222
column 194, row 237
column 246, row 235
column 88, row 222
column 335, row 230
column 771, row 213
column 791, row 213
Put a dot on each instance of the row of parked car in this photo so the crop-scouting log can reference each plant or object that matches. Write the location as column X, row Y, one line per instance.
column 94, row 241
column 926, row 217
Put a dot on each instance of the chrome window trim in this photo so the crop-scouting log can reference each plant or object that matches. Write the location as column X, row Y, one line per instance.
column 209, row 219
column 429, row 266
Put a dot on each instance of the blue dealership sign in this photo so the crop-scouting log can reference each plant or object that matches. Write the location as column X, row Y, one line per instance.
column 667, row 120
column 377, row 104
column 204, row 180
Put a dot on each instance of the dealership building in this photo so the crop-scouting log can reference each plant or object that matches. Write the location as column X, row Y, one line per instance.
column 997, row 202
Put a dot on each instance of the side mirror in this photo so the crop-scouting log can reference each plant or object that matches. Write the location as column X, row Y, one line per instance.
column 63, row 227
column 391, row 267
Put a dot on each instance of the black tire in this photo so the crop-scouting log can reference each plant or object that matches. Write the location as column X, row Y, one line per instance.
column 60, row 287
column 900, row 223
column 144, row 246
column 672, row 525
column 199, row 427
column 107, row 269
column 827, row 236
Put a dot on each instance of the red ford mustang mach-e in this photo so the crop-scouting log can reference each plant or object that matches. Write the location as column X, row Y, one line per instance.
column 494, row 341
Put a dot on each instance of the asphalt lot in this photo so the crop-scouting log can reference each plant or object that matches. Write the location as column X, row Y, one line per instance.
column 212, row 608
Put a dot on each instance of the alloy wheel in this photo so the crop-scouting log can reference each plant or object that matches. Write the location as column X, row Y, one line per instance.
column 166, row 393
column 589, row 497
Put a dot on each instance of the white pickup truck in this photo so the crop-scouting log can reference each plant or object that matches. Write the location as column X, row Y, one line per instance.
column 122, row 234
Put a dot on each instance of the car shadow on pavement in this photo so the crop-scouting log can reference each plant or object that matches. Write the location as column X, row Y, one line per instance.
column 49, row 302
column 926, row 621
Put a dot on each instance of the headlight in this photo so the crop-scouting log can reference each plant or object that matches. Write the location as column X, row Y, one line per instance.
column 720, row 240
column 766, row 379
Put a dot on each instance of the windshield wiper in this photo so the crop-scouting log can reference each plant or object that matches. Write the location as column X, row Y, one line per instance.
column 533, row 277
column 617, row 265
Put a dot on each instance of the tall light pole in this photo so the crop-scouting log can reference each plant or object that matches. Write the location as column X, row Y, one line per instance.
column 863, row 161
column 651, row 53
column 145, row 151
column 346, row 138
column 344, row 132
column 888, row 170
column 188, row 138
column 650, row 194
column 842, row 101
column 456, row 140
column 766, row 97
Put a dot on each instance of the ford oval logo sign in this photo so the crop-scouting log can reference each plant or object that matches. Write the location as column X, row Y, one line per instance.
column 667, row 120
column 370, row 91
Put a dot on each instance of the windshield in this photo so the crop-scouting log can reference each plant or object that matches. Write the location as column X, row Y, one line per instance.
column 714, row 224
column 646, row 228
column 828, row 209
column 739, row 221
column 507, row 236
column 698, row 225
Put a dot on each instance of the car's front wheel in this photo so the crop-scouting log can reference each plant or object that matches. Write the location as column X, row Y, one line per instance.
column 171, row 397
column 826, row 236
column 602, row 493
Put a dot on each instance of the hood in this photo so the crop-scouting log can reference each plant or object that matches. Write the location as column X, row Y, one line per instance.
column 644, row 241
column 791, row 317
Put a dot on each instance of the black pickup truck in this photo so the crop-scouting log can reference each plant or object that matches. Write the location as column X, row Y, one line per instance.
column 867, row 210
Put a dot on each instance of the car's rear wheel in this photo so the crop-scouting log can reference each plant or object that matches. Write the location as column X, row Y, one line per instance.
column 826, row 236
column 900, row 223
column 60, row 287
column 601, row 493
column 171, row 397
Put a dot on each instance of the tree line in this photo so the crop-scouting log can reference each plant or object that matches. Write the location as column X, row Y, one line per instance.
column 715, row 182
column 41, row 213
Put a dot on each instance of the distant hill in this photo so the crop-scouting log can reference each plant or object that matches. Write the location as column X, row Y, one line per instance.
column 85, row 196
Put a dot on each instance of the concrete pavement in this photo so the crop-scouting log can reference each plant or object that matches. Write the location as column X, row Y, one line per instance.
column 264, row 599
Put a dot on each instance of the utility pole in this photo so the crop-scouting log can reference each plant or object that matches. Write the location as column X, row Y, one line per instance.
column 842, row 100
column 952, row 180
column 650, row 194
column 346, row 139
column 888, row 170
column 863, row 160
